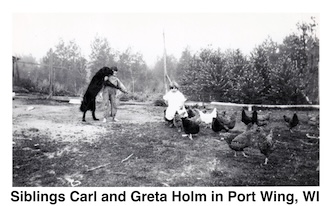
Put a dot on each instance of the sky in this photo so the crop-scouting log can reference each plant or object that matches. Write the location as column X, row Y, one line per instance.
column 36, row 33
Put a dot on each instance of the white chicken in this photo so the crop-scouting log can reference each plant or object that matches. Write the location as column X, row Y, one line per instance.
column 208, row 117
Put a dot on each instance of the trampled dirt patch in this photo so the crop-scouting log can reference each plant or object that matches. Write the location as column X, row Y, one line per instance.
column 52, row 147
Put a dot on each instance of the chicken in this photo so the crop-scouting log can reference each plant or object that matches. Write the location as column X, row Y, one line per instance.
column 291, row 122
column 224, row 121
column 177, row 122
column 217, row 125
column 169, row 122
column 314, row 120
column 265, row 143
column 229, row 121
column 242, row 140
column 208, row 117
column 263, row 120
column 182, row 112
column 190, row 126
column 264, row 117
column 247, row 120
column 191, row 111
column 193, row 114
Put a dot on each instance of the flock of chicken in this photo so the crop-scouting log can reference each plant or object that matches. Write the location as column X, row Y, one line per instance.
column 220, row 121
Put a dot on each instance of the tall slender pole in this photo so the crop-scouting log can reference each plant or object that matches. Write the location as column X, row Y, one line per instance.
column 17, row 70
column 165, row 71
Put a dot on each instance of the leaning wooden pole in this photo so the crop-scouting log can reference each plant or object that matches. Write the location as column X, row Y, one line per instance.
column 165, row 70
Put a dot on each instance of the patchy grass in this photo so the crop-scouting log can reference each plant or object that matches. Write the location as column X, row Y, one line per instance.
column 160, row 156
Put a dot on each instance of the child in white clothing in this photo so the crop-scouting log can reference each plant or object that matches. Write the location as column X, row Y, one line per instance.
column 175, row 101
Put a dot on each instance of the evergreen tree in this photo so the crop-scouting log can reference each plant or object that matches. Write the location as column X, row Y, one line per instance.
column 101, row 55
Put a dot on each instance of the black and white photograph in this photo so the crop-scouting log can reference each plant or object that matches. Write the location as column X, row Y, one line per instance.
column 136, row 99
column 180, row 106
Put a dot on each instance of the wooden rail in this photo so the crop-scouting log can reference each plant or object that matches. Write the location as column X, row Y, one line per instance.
column 266, row 105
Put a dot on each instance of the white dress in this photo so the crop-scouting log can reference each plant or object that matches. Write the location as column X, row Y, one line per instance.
column 175, row 101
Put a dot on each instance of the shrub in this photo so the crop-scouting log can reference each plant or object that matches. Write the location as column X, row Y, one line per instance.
column 26, row 84
column 124, row 98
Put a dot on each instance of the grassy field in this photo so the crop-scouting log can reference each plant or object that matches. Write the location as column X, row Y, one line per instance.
column 141, row 150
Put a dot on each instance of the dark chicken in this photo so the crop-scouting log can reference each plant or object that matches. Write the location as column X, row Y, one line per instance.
column 190, row 126
column 191, row 112
column 247, row 120
column 217, row 125
column 176, row 121
column 291, row 122
column 241, row 141
column 227, row 121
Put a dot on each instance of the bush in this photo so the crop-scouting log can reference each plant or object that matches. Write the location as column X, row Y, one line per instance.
column 139, row 97
column 26, row 84
column 160, row 102
column 124, row 98
column 157, row 99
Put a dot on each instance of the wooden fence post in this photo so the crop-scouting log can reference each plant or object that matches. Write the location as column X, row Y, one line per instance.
column 16, row 77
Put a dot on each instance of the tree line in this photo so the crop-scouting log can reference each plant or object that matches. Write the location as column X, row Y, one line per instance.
column 273, row 73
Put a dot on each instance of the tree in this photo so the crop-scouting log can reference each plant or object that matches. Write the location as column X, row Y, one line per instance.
column 309, row 60
column 236, row 63
column 30, row 67
column 26, row 72
column 262, row 58
column 183, row 64
column 133, row 70
column 251, row 85
column 158, row 72
column 68, row 68
column 138, row 69
column 296, row 76
column 101, row 55
column 208, row 77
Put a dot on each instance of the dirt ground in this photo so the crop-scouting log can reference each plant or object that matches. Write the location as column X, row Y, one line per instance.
column 63, row 121
column 53, row 147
